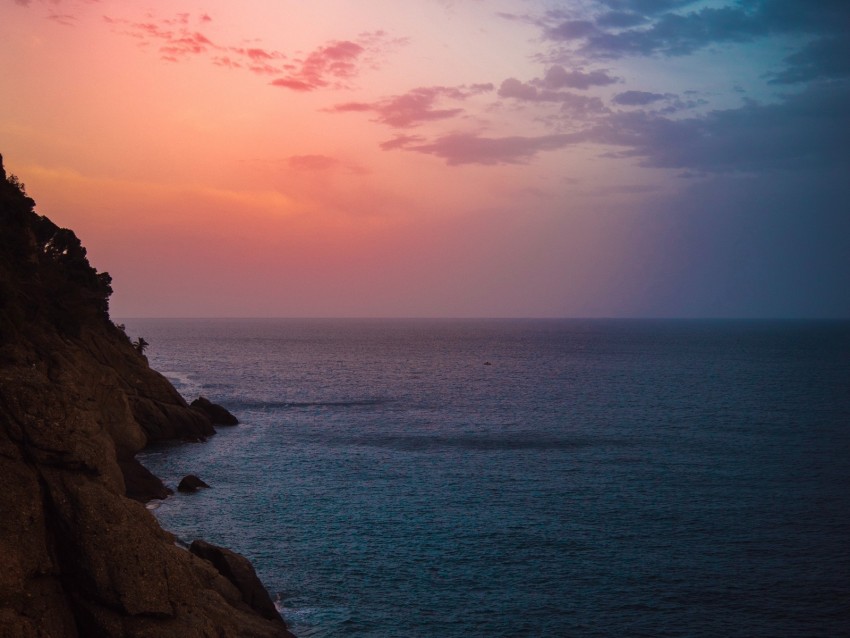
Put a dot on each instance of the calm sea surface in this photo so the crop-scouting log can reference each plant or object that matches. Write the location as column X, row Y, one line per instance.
column 461, row 479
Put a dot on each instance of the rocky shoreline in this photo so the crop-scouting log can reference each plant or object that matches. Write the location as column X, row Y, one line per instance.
column 82, row 555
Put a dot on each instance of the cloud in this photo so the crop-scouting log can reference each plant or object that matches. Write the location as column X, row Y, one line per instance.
column 469, row 148
column 806, row 131
column 329, row 64
column 646, row 7
column 825, row 58
column 333, row 64
column 175, row 38
column 65, row 19
column 401, row 141
column 637, row 98
column 416, row 106
column 557, row 77
column 620, row 19
column 572, row 102
column 667, row 28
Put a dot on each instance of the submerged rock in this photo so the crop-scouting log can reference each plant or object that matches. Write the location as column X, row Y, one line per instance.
column 214, row 412
column 190, row 483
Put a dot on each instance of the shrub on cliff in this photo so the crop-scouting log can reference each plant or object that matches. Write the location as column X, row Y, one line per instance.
column 40, row 261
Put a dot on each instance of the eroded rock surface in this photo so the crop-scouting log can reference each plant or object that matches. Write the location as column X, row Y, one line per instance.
column 77, row 401
column 217, row 414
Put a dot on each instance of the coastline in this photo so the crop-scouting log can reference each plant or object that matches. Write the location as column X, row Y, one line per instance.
column 78, row 400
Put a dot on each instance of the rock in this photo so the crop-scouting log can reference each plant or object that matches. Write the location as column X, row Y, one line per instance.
column 214, row 412
column 77, row 402
column 190, row 483
column 140, row 483
column 239, row 571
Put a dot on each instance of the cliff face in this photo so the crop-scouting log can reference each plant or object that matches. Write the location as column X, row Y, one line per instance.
column 77, row 401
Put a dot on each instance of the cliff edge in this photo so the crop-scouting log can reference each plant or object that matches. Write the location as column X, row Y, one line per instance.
column 81, row 556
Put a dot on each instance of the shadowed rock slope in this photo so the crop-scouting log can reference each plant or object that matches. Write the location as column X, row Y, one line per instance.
column 79, row 557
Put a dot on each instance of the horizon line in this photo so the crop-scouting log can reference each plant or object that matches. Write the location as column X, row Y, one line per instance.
column 473, row 318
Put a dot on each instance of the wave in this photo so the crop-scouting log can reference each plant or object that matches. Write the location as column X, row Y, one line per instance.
column 288, row 405
column 478, row 442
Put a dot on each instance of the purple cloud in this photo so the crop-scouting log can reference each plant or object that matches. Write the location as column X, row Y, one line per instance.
column 401, row 141
column 808, row 130
column 469, row 148
column 557, row 77
column 416, row 106
column 572, row 102
column 637, row 98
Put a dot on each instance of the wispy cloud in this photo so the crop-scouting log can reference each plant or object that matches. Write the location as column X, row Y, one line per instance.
column 470, row 148
column 573, row 102
column 334, row 63
column 416, row 106
column 331, row 65
column 557, row 77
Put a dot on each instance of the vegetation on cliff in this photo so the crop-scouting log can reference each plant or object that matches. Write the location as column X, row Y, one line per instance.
column 81, row 556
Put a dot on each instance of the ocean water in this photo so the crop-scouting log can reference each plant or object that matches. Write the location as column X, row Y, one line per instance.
column 461, row 479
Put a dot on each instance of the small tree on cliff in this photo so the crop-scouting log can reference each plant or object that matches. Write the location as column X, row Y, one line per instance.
column 140, row 344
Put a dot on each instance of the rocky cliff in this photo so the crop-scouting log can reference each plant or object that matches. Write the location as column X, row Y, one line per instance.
column 79, row 554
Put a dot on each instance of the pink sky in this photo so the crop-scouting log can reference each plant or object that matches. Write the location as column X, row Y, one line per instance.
column 422, row 158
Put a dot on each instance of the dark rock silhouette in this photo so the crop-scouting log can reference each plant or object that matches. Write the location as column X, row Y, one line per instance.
column 140, row 483
column 77, row 402
column 239, row 571
column 190, row 483
column 214, row 412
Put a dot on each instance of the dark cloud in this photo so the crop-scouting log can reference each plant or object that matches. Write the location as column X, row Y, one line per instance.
column 637, row 98
column 825, row 58
column 416, row 106
column 675, row 29
column 646, row 7
column 572, row 102
column 571, row 30
column 620, row 19
column 805, row 131
column 557, row 77
column 469, row 148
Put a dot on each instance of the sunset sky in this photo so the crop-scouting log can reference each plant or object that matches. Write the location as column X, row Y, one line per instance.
column 598, row 158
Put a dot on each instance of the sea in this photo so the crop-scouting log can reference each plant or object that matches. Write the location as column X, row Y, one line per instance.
column 522, row 478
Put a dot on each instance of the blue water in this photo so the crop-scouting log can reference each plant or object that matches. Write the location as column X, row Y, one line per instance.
column 597, row 478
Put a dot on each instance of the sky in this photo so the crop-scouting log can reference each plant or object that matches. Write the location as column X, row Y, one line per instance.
column 441, row 158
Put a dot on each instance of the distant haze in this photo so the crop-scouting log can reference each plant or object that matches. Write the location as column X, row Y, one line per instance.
column 441, row 158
